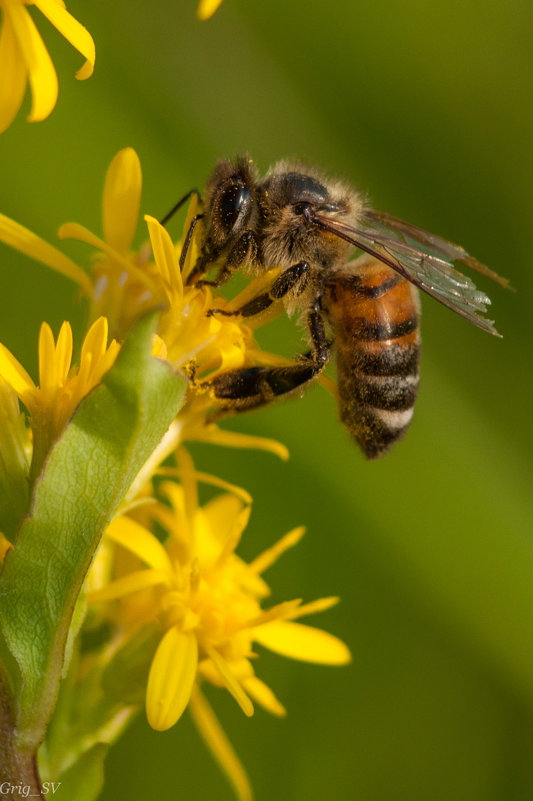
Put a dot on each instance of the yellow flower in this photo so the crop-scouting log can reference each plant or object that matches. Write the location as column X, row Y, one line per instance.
column 15, row 460
column 23, row 57
column 61, row 385
column 5, row 546
column 207, row 601
column 125, row 284
column 15, row 444
column 206, row 8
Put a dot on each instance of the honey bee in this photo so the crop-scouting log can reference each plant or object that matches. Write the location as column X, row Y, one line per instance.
column 367, row 309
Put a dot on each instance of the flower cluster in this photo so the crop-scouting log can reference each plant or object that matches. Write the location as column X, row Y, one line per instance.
column 123, row 285
column 207, row 603
column 167, row 563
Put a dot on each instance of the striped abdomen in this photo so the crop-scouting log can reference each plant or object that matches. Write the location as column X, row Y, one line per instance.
column 374, row 313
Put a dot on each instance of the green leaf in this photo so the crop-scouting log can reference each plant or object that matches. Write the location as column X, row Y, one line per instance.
column 86, row 475
column 125, row 677
column 84, row 779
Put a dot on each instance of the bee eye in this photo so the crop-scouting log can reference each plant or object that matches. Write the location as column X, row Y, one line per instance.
column 234, row 204
column 302, row 208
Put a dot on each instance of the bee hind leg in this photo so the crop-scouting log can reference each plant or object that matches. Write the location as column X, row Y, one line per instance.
column 255, row 386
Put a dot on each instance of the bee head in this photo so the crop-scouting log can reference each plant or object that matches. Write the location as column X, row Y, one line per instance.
column 290, row 199
column 230, row 200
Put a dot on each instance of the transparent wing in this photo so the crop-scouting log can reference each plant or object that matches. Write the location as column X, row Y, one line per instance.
column 422, row 258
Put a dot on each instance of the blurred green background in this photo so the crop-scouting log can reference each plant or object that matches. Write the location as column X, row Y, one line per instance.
column 427, row 108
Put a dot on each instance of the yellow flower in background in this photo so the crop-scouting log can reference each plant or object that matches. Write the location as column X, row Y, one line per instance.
column 61, row 385
column 206, row 8
column 15, row 443
column 24, row 57
column 208, row 603
column 5, row 546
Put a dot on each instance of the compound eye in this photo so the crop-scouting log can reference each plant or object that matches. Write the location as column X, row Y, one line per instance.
column 302, row 208
column 234, row 205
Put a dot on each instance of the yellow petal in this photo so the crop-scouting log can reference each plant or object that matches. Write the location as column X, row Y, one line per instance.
column 95, row 341
column 122, row 198
column 5, row 546
column 213, row 481
column 219, row 745
column 140, row 541
column 262, row 693
column 234, row 439
column 20, row 238
column 96, row 358
column 54, row 359
column 13, row 75
column 234, row 536
column 76, row 231
column 188, row 481
column 206, row 8
column 165, row 256
column 193, row 251
column 281, row 611
column 271, row 555
column 231, row 683
column 231, row 355
column 133, row 582
column 15, row 375
column 73, row 31
column 171, row 678
column 313, row 607
column 43, row 78
column 63, row 354
column 221, row 513
column 329, row 384
column 302, row 642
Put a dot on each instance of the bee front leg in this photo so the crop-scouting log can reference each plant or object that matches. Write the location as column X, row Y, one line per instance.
column 188, row 239
column 243, row 252
column 179, row 204
column 192, row 226
column 294, row 278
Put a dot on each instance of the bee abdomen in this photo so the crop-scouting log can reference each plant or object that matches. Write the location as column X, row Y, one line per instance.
column 378, row 408
column 377, row 337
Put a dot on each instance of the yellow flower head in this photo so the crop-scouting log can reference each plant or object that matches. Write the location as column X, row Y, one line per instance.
column 61, row 385
column 23, row 57
column 125, row 284
column 208, row 603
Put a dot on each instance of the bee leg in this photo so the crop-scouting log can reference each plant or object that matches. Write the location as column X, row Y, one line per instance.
column 243, row 252
column 256, row 386
column 178, row 205
column 188, row 238
column 319, row 341
column 294, row 278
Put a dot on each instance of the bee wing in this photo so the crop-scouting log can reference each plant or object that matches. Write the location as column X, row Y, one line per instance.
column 433, row 244
column 423, row 259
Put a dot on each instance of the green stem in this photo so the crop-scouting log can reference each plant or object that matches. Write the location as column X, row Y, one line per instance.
column 17, row 767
